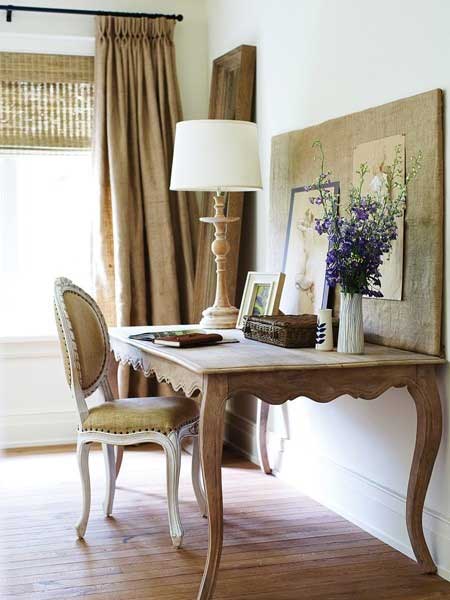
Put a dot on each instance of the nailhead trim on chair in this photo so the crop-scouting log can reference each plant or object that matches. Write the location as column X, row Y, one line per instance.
column 140, row 430
column 66, row 357
column 85, row 296
column 66, row 286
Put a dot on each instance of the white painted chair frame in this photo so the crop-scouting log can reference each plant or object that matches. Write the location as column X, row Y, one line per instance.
column 171, row 443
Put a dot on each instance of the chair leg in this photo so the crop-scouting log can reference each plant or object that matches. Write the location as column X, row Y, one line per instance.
column 110, row 470
column 119, row 459
column 197, row 481
column 83, row 464
column 173, row 456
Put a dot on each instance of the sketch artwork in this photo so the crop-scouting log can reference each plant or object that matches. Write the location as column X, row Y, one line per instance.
column 305, row 290
column 379, row 155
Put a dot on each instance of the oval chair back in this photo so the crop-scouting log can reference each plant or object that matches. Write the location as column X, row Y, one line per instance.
column 84, row 340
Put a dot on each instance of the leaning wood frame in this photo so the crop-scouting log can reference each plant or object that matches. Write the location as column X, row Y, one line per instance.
column 231, row 97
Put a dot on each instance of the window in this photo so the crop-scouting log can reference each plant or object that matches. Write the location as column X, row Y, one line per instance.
column 46, row 101
column 46, row 190
column 45, row 232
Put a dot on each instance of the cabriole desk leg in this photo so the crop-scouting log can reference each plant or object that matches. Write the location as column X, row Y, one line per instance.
column 429, row 430
column 212, row 415
column 113, row 381
column 262, row 417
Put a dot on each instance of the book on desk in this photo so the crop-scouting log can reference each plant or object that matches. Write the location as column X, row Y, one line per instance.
column 186, row 338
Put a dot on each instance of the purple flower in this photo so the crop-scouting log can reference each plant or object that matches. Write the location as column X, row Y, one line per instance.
column 359, row 238
column 361, row 213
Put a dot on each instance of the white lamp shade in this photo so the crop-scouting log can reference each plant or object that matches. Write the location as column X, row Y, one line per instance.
column 211, row 155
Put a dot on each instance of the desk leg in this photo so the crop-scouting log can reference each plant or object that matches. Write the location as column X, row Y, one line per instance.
column 113, row 377
column 428, row 437
column 262, row 416
column 113, row 381
column 212, row 415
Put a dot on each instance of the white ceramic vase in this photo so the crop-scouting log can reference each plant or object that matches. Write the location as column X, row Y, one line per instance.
column 351, row 330
column 324, row 336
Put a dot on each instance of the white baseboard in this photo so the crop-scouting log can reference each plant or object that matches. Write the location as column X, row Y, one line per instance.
column 38, row 429
column 369, row 505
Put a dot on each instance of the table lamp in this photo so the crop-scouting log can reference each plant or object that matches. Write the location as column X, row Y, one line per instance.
column 217, row 156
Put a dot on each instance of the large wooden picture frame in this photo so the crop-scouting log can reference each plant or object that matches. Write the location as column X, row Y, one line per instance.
column 413, row 323
column 231, row 97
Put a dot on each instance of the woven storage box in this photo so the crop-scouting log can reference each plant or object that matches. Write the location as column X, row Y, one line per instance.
column 288, row 331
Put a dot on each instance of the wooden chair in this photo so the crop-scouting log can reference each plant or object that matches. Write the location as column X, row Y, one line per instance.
column 166, row 421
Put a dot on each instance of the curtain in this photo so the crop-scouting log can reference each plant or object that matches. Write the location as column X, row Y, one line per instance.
column 143, row 252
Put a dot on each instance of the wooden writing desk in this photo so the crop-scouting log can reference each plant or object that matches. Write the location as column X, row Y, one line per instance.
column 278, row 374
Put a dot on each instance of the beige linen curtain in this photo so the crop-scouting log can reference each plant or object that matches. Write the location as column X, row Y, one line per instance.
column 143, row 251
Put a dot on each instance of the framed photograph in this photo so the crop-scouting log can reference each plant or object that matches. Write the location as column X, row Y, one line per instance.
column 305, row 253
column 261, row 295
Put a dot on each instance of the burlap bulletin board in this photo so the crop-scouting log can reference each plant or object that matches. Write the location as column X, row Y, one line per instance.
column 414, row 323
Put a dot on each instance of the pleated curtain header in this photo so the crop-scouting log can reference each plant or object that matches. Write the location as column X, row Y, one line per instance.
column 46, row 101
column 123, row 29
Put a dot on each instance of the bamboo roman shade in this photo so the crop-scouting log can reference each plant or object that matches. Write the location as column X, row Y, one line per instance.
column 46, row 101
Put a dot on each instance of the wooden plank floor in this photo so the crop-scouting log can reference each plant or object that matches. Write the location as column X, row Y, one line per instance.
column 279, row 545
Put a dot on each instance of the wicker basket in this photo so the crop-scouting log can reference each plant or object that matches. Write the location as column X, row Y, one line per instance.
column 288, row 331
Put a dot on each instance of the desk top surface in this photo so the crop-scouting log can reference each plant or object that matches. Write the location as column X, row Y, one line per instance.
column 248, row 355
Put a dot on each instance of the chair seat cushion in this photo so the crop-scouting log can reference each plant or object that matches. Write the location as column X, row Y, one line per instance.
column 163, row 414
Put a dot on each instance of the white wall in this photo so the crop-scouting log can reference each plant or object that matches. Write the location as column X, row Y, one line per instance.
column 35, row 404
column 318, row 59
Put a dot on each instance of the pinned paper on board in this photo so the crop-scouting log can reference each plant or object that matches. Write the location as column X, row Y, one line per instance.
column 379, row 156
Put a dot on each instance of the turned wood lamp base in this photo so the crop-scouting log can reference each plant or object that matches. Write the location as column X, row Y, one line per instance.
column 219, row 317
column 222, row 315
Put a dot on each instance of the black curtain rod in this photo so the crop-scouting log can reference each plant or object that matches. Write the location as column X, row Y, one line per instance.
column 74, row 11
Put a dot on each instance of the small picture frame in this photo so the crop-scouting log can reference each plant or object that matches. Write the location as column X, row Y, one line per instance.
column 261, row 295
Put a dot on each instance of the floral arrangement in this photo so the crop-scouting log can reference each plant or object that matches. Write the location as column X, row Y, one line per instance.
column 362, row 236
